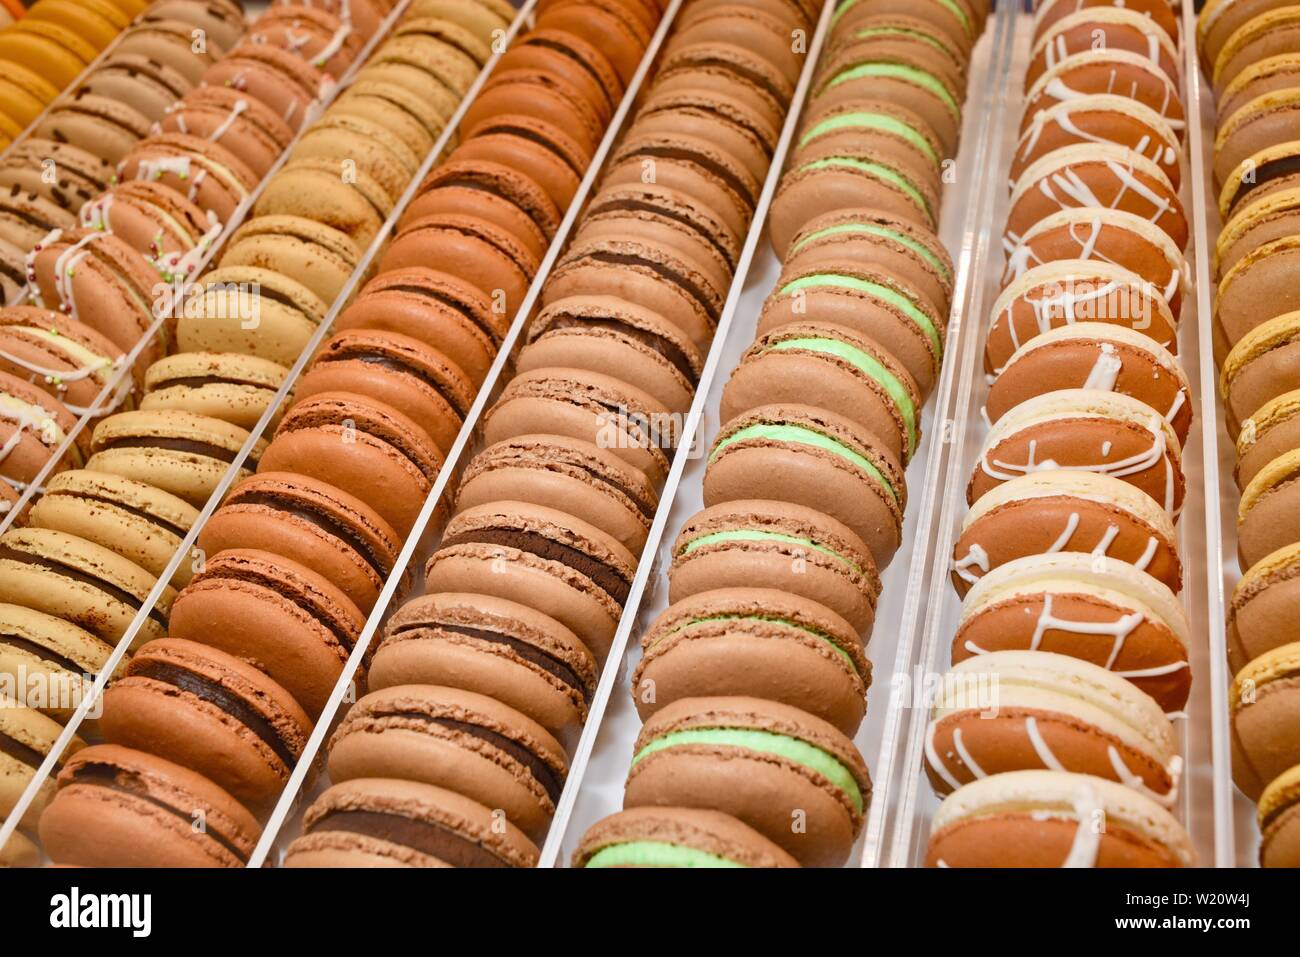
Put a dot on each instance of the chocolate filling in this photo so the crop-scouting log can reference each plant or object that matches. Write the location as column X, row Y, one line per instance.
column 322, row 520
column 491, row 185
column 631, row 259
column 533, row 137
column 530, row 653
column 1266, row 173
column 125, row 781
column 19, row 643
column 191, row 446
column 753, row 77
column 361, row 354
column 17, row 276
column 223, row 698
column 246, row 574
column 731, row 118
column 636, row 206
column 660, row 344
column 734, row 182
column 27, row 216
column 573, row 57
column 22, row 753
column 162, row 523
column 428, row 837
column 454, row 304
column 606, row 578
column 486, row 237
column 77, row 575
column 199, row 381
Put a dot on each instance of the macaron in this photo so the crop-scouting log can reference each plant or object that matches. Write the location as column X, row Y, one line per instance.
column 760, row 761
column 117, row 807
column 286, row 83
column 1269, row 32
column 810, row 457
column 34, row 425
column 1048, row 512
column 1262, row 709
column 676, row 837
column 80, row 174
column 143, row 524
column 47, row 49
column 866, row 237
column 729, row 70
column 1050, row 819
column 746, row 27
column 1254, row 291
column 1259, row 612
column 414, row 120
column 97, row 124
column 240, row 123
column 1267, row 433
column 13, row 272
column 169, row 230
column 446, row 32
column 336, row 536
column 182, row 46
column 1161, row 12
column 1265, row 515
column 663, row 215
column 205, row 172
column 606, row 25
column 870, row 301
column 316, row 187
column 296, row 626
column 393, row 823
column 455, row 739
column 366, row 15
column 1269, row 74
column 590, row 406
column 1096, row 175
column 479, row 18
column 893, row 131
column 360, row 445
column 568, row 568
column 582, row 66
column 438, row 61
column 1271, row 170
column 754, row 642
column 83, row 583
column 1257, row 124
column 1048, row 712
column 324, row 40
column 566, row 474
column 835, row 369
column 1260, row 368
column 1219, row 19
column 1090, row 430
column 1110, row 28
column 1105, row 70
column 957, row 20
column 491, row 646
column 222, row 20
column 361, row 144
column 24, row 94
column 1062, row 293
column 598, row 333
column 441, row 310
column 147, row 86
column 1277, row 821
column 733, row 125
column 1094, row 355
column 250, row 310
column 27, row 218
column 545, row 153
column 210, row 712
column 319, row 257
column 53, row 661
column 541, row 94
column 29, row 737
column 223, row 385
column 399, row 370
column 1257, row 222
column 182, row 453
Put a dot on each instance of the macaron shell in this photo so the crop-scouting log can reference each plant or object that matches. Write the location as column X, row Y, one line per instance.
column 1266, row 520
column 1262, row 607
column 1254, row 290
column 711, row 833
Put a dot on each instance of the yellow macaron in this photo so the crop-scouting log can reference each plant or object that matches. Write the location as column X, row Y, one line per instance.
column 24, row 95
column 54, row 52
column 97, row 22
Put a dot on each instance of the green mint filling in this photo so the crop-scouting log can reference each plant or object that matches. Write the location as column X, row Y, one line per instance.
column 867, row 33
column 842, row 9
column 760, row 535
column 885, row 294
column 774, row 619
column 899, row 71
column 655, row 854
column 958, row 12
column 767, row 742
column 805, row 436
column 878, row 170
column 873, row 229
column 873, row 121
column 868, row 364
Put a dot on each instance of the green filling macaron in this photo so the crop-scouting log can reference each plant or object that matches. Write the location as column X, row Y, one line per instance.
column 801, row 435
column 760, row 535
column 771, row 619
column 879, row 170
column 872, row 367
column 872, row 121
column 655, row 854
column 867, row 33
column 899, row 71
column 877, row 291
column 766, row 742
column 874, row 229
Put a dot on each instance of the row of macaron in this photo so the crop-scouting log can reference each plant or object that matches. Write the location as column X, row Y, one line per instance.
column 390, row 392
column 1249, row 51
column 1071, row 651
column 141, row 506
column 752, row 683
column 526, row 588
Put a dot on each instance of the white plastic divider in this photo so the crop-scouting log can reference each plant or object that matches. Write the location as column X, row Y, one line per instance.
column 1198, row 798
column 119, row 383
column 182, row 552
column 308, row 759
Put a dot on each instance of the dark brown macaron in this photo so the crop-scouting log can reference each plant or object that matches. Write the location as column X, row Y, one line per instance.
column 542, row 95
column 283, row 617
column 385, row 822
column 362, row 446
column 763, row 762
column 729, row 70
column 117, row 807
column 441, row 310
column 401, row 371
column 568, row 56
column 456, row 739
column 747, row 27
column 337, row 536
column 733, row 125
column 597, row 333
column 547, row 154
column 492, row 646
column 664, row 214
column 757, row 642
column 762, row 543
column 211, row 712
column 566, row 567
